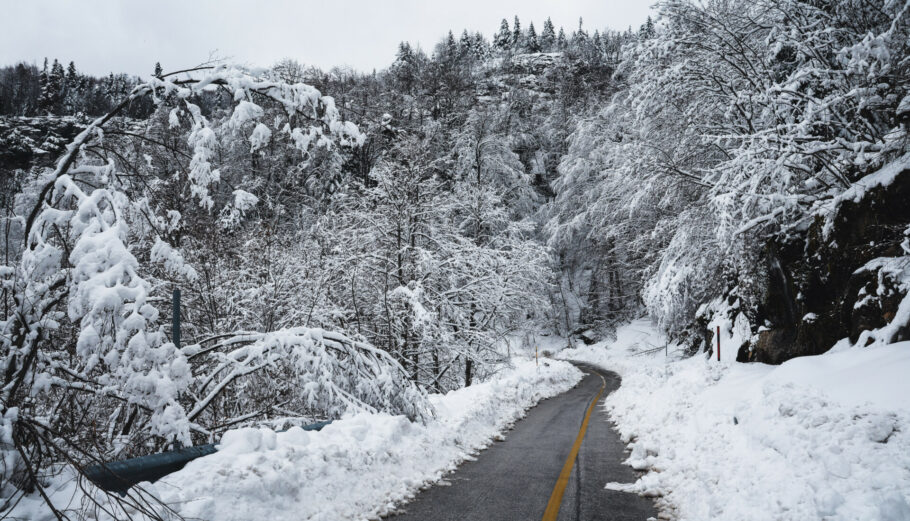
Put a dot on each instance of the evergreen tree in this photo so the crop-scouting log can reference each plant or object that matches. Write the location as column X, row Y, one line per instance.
column 465, row 44
column 531, row 43
column 597, row 46
column 405, row 53
column 72, row 94
column 516, row 34
column 561, row 42
column 57, row 73
column 52, row 89
column 580, row 39
column 581, row 33
column 72, row 75
column 109, row 87
column 647, row 29
column 503, row 39
column 158, row 70
column 548, row 36
column 45, row 99
column 404, row 69
column 480, row 49
column 451, row 45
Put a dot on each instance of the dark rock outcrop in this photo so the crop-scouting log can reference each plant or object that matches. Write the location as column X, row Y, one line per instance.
column 819, row 290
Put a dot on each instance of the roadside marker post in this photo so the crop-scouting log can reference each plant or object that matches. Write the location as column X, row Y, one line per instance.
column 718, row 343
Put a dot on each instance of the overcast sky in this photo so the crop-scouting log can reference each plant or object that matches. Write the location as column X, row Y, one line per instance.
column 130, row 36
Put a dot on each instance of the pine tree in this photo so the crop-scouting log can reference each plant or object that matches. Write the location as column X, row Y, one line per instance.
column 647, row 29
column 548, row 36
column 479, row 48
column 503, row 39
column 451, row 45
column 52, row 88
column 109, row 88
column 405, row 69
column 580, row 39
column 158, row 70
column 45, row 99
column 72, row 94
column 597, row 45
column 465, row 44
column 405, row 54
column 516, row 34
column 72, row 75
column 531, row 43
column 57, row 73
column 561, row 42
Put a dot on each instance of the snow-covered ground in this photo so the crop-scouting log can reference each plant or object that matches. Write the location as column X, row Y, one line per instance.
column 356, row 468
column 820, row 437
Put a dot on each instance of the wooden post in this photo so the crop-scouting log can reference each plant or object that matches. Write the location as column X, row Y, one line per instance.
column 536, row 358
column 718, row 343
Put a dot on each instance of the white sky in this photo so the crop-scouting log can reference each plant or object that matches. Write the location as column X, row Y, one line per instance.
column 102, row 36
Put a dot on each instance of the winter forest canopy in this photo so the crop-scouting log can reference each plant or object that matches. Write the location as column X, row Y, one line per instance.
column 349, row 241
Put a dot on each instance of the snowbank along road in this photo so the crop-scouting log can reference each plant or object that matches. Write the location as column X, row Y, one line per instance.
column 552, row 466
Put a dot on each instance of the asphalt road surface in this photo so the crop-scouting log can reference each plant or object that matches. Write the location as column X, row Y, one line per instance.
column 514, row 480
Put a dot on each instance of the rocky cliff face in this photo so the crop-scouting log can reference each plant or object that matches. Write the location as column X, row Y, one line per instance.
column 848, row 274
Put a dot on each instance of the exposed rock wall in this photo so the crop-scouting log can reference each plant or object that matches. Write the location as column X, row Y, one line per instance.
column 828, row 284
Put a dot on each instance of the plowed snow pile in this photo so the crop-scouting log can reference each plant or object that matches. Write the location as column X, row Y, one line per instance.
column 820, row 437
column 357, row 468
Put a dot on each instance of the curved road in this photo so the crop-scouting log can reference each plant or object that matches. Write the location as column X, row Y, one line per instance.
column 514, row 480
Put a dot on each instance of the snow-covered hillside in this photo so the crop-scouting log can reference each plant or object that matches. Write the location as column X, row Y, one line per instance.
column 818, row 437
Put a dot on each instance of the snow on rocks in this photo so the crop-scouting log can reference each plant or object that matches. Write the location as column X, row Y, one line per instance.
column 356, row 468
column 818, row 437
column 536, row 63
column 885, row 176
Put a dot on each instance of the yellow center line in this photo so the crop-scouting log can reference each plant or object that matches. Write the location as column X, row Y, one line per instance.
column 553, row 505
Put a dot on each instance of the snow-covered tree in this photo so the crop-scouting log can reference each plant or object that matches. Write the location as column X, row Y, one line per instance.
column 99, row 255
column 547, row 36
column 561, row 41
column 503, row 39
column 531, row 42
column 517, row 34
column 737, row 121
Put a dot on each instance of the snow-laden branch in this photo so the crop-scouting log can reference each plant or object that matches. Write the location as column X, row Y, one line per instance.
column 333, row 373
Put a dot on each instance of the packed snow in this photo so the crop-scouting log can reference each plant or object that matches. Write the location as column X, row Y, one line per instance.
column 359, row 467
column 818, row 437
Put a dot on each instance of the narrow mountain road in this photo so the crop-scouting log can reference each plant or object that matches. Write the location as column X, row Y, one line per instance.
column 523, row 477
